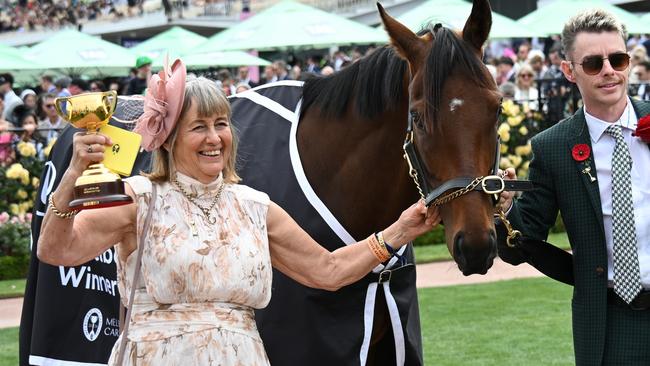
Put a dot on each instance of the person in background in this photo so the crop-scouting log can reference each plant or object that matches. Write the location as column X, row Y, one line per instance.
column 269, row 75
column 327, row 70
column 642, row 73
column 525, row 91
column 281, row 72
column 244, row 77
column 208, row 253
column 593, row 171
column 78, row 86
column 26, row 118
column 11, row 100
column 61, row 87
column 29, row 98
column 52, row 124
column 505, row 69
column 242, row 87
column 536, row 61
column 97, row 86
column 138, row 83
column 47, row 84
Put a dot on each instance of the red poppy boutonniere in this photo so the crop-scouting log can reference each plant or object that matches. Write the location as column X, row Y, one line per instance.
column 643, row 129
column 581, row 152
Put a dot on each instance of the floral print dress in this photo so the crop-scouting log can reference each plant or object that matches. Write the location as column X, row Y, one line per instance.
column 200, row 281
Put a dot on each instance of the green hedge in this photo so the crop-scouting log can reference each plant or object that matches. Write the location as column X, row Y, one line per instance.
column 14, row 267
column 437, row 235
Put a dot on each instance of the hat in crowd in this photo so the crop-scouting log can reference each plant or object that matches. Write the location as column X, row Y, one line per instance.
column 142, row 61
column 162, row 105
column 27, row 92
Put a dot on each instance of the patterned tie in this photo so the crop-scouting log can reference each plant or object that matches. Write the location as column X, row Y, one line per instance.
column 627, row 282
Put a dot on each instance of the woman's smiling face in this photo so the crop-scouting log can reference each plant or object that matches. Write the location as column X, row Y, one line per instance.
column 203, row 145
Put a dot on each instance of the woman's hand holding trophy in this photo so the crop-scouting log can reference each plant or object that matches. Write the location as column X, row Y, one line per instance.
column 95, row 185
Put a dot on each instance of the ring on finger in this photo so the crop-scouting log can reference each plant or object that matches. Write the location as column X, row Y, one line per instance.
column 90, row 149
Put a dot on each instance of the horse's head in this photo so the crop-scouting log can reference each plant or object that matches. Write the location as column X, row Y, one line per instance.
column 454, row 106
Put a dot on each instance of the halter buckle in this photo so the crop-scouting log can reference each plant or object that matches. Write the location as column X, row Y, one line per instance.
column 491, row 178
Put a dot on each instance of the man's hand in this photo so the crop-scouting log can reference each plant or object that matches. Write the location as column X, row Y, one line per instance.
column 505, row 199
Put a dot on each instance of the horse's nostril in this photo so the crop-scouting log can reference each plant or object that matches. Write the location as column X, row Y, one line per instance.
column 458, row 248
column 492, row 242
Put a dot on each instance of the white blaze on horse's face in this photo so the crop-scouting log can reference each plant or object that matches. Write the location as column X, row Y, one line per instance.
column 455, row 104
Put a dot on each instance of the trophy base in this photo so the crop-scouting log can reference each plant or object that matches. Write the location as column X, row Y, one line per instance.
column 99, row 195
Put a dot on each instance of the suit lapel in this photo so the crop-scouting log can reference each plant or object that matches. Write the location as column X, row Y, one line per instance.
column 580, row 135
column 641, row 108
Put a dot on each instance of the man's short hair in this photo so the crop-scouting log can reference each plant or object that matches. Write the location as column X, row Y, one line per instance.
column 47, row 78
column 591, row 21
column 505, row 60
column 81, row 83
column 62, row 82
column 7, row 78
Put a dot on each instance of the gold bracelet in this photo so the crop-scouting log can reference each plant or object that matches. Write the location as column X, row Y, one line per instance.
column 63, row 215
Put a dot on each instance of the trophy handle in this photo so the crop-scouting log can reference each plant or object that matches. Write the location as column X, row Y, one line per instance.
column 59, row 110
column 110, row 103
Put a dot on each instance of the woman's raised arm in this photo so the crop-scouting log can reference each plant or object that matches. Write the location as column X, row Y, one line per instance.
column 74, row 240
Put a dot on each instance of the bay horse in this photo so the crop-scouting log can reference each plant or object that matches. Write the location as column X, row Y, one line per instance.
column 342, row 136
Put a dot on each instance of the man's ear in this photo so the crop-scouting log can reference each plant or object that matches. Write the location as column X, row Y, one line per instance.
column 568, row 70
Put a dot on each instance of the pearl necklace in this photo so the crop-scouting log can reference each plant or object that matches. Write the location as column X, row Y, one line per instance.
column 205, row 210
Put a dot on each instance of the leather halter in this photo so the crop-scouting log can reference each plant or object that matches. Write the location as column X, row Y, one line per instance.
column 490, row 184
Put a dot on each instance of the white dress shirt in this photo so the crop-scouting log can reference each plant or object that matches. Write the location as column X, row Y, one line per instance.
column 603, row 150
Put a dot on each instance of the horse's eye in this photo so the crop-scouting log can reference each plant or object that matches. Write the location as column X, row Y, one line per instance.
column 417, row 119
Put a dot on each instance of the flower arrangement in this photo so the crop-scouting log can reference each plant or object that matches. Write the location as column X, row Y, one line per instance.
column 14, row 245
column 19, row 179
column 517, row 125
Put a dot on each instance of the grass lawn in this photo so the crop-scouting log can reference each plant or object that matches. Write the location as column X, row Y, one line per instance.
column 12, row 288
column 518, row 322
column 9, row 347
column 439, row 252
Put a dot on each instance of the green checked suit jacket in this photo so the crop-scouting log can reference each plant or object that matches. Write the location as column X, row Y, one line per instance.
column 561, row 185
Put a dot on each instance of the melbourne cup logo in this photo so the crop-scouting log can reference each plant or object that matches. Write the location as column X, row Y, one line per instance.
column 92, row 324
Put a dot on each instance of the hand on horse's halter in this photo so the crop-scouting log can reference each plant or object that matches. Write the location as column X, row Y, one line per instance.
column 505, row 198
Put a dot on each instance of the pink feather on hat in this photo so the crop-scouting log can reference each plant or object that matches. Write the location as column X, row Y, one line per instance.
column 162, row 105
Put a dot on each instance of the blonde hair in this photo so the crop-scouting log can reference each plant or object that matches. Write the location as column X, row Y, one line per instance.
column 591, row 21
column 209, row 100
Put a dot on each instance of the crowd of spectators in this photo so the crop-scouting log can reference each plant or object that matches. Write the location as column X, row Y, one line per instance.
column 526, row 73
column 30, row 15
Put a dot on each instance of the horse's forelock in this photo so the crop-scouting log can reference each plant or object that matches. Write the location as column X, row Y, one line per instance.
column 449, row 53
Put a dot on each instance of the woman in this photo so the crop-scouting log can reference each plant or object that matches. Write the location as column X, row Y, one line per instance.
column 208, row 254
column 525, row 91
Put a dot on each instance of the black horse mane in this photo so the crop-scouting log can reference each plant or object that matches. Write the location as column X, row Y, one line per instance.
column 375, row 82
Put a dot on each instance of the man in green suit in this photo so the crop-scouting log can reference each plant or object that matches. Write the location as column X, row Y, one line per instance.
column 593, row 170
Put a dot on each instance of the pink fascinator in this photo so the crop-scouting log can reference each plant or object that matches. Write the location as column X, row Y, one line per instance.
column 163, row 102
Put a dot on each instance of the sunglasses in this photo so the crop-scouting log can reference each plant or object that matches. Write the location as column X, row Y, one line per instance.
column 49, row 106
column 526, row 76
column 593, row 64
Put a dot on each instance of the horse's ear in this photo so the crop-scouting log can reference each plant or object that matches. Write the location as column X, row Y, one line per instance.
column 406, row 43
column 479, row 23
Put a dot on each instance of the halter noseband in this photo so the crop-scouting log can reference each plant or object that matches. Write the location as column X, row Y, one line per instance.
column 490, row 184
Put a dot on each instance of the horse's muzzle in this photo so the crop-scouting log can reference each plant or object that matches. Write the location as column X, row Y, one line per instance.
column 474, row 256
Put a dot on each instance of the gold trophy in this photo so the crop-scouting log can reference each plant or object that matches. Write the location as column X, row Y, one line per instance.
column 98, row 186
